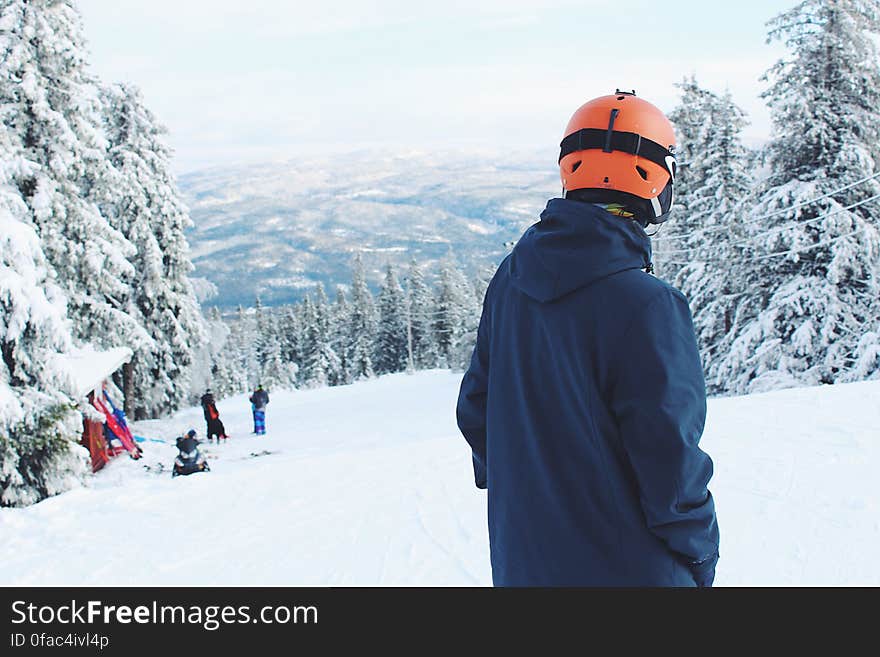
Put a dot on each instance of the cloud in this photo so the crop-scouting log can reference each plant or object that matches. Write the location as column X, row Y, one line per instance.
column 239, row 79
column 275, row 17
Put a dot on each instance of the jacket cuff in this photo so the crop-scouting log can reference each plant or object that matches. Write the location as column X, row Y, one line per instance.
column 704, row 571
column 479, row 473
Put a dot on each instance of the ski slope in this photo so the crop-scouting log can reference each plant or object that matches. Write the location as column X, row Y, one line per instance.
column 371, row 484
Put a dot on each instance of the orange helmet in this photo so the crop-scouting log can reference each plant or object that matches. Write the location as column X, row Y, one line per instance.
column 620, row 149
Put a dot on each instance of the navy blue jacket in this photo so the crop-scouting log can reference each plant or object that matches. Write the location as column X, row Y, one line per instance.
column 583, row 405
column 260, row 399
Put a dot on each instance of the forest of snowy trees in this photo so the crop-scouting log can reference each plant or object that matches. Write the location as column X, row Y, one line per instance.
column 410, row 325
column 92, row 247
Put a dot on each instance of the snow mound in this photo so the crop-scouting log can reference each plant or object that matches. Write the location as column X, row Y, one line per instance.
column 87, row 368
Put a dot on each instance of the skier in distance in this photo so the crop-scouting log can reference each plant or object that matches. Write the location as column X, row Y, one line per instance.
column 215, row 426
column 259, row 400
column 584, row 402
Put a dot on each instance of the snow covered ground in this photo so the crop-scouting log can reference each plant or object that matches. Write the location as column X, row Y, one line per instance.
column 371, row 485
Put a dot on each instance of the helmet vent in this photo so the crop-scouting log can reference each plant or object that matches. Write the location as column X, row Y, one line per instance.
column 642, row 173
column 576, row 166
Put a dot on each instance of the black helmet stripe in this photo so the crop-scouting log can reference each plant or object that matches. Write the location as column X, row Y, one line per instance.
column 627, row 142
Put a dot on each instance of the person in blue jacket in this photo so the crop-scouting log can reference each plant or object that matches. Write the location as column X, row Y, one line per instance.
column 584, row 402
column 259, row 400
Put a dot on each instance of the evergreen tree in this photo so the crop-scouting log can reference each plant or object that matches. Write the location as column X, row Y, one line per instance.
column 39, row 426
column 361, row 326
column 392, row 350
column 320, row 364
column 147, row 209
column 471, row 319
column 222, row 378
column 712, row 268
column 692, row 129
column 260, row 348
column 813, row 279
column 481, row 283
column 310, row 374
column 455, row 304
column 275, row 373
column 262, row 338
column 242, row 345
column 339, row 336
column 421, row 314
column 867, row 352
column 50, row 106
column 223, row 374
column 324, row 318
column 290, row 339
column 694, row 133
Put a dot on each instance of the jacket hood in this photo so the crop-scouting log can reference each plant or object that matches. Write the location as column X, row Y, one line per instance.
column 574, row 245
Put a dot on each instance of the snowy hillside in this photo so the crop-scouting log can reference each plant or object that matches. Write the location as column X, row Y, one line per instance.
column 277, row 229
column 371, row 484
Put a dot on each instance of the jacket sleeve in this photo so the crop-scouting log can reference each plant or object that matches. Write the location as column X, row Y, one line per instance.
column 658, row 398
column 471, row 410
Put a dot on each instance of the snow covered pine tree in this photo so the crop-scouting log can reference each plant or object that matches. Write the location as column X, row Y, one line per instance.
column 339, row 320
column 320, row 365
column 361, row 326
column 51, row 106
column 692, row 128
column 813, row 278
column 455, row 304
column 420, row 301
column 146, row 208
column 705, row 254
column 38, row 424
column 392, row 349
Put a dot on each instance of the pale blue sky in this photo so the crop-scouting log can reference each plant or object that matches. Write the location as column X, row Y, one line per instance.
column 261, row 79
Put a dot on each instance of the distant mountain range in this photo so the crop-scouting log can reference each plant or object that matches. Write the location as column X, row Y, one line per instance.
column 275, row 230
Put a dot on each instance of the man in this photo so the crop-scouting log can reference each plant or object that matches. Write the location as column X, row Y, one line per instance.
column 212, row 418
column 259, row 400
column 584, row 401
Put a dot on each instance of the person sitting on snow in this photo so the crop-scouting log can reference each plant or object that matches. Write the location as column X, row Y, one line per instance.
column 212, row 418
column 259, row 400
column 187, row 442
column 189, row 459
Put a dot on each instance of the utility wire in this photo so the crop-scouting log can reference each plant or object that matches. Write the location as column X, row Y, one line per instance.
column 810, row 246
column 782, row 229
column 802, row 249
column 818, row 198
column 751, row 220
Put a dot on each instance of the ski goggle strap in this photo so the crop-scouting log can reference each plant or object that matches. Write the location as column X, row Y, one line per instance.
column 615, row 140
